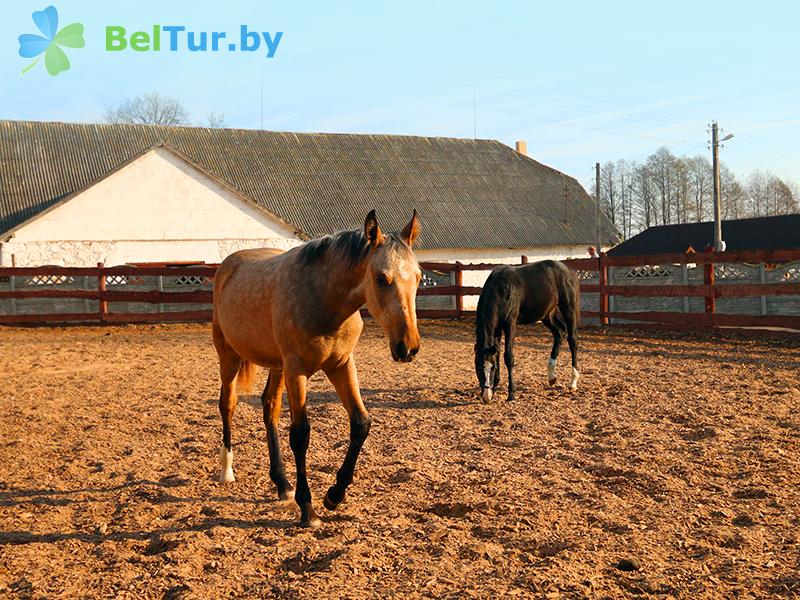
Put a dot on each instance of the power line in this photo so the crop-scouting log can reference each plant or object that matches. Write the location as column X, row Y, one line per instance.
column 762, row 162
column 560, row 102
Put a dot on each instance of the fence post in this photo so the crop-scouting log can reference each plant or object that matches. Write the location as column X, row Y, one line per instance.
column 459, row 281
column 685, row 281
column 603, row 272
column 86, row 301
column 101, row 287
column 709, row 279
column 762, row 279
column 160, row 283
column 611, row 299
column 13, row 285
column 524, row 260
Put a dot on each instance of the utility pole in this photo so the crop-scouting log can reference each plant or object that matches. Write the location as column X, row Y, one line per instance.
column 717, row 199
column 715, row 141
column 597, row 198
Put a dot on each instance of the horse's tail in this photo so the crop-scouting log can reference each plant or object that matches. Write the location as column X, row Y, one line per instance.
column 569, row 290
column 246, row 375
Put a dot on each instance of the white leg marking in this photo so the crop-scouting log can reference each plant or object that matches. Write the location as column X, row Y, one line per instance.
column 226, row 465
column 487, row 395
column 573, row 383
column 551, row 371
column 487, row 381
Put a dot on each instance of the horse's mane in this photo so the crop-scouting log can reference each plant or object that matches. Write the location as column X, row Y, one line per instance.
column 350, row 246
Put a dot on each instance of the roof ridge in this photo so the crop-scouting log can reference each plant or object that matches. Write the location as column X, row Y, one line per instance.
column 256, row 130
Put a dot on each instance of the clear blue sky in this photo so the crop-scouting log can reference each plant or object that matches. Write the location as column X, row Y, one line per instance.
column 578, row 81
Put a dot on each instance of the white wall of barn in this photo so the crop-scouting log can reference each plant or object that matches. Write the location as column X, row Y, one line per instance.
column 158, row 208
column 497, row 256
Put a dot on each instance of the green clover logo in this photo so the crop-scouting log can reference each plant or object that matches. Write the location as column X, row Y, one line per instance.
column 50, row 42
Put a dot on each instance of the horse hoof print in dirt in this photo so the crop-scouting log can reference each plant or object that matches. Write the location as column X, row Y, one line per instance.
column 297, row 313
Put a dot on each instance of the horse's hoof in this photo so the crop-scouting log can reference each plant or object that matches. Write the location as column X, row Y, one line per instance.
column 510, row 399
column 329, row 502
column 552, row 381
column 285, row 495
column 227, row 477
column 311, row 522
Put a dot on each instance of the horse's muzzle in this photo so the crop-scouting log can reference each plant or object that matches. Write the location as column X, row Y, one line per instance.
column 401, row 352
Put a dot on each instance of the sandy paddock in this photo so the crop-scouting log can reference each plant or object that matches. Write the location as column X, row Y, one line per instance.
column 678, row 458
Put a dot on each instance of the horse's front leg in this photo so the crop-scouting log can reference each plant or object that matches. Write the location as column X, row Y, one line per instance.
column 299, row 434
column 345, row 380
column 271, row 404
column 508, row 357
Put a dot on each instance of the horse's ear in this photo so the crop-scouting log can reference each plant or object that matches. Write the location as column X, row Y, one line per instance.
column 410, row 232
column 372, row 230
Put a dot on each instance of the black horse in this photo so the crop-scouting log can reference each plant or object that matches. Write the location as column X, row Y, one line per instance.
column 545, row 291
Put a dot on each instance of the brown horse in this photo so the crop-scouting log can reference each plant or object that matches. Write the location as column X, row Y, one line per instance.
column 297, row 313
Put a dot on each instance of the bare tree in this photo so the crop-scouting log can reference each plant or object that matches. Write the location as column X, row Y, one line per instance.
column 781, row 199
column 701, row 185
column 215, row 120
column 758, row 193
column 668, row 189
column 608, row 190
column 148, row 109
column 734, row 197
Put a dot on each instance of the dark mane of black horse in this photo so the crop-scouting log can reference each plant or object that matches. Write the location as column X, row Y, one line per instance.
column 545, row 291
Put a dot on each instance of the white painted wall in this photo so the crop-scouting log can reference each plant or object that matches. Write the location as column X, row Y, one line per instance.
column 497, row 256
column 156, row 209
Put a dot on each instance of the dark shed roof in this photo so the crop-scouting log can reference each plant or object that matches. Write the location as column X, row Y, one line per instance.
column 762, row 233
column 470, row 193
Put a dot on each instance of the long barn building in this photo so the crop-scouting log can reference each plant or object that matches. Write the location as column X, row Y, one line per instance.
column 78, row 194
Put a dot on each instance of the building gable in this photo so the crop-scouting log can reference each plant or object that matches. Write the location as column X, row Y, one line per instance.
column 157, row 196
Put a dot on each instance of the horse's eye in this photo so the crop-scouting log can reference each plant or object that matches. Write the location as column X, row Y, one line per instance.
column 383, row 281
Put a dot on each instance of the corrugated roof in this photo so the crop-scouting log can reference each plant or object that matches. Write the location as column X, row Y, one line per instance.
column 760, row 233
column 470, row 193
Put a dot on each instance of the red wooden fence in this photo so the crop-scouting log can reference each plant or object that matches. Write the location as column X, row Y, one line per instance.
column 709, row 290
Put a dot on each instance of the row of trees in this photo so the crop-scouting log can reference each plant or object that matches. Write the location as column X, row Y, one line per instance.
column 666, row 189
column 155, row 109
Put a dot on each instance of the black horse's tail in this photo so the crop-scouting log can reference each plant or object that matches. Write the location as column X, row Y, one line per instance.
column 570, row 293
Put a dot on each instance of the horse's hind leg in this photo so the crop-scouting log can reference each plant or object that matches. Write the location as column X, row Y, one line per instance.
column 345, row 380
column 570, row 320
column 228, row 369
column 508, row 356
column 271, row 403
column 229, row 363
column 556, row 328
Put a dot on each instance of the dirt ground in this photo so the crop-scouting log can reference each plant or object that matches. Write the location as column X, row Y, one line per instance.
column 674, row 470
